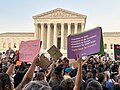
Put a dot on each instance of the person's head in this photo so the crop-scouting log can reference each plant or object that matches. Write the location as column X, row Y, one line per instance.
column 40, row 76
column 58, row 70
column 88, row 80
column 65, row 62
column 60, row 61
column 67, row 84
column 101, row 78
column 94, row 71
column 90, row 88
column 107, row 75
column 57, row 87
column 96, row 64
column 57, row 73
column 89, row 66
column 73, row 72
column 68, row 70
column 114, row 76
column 90, row 61
column 5, row 83
column 95, row 84
column 45, row 71
column 89, row 75
column 37, row 85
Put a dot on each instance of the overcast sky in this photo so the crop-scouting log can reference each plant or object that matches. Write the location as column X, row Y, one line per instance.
column 16, row 15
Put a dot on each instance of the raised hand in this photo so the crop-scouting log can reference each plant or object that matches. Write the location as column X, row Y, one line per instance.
column 36, row 60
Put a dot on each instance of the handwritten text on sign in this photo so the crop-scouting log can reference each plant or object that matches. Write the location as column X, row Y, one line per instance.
column 29, row 49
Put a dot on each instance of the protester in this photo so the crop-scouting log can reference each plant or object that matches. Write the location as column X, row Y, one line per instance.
column 57, row 76
column 117, row 85
column 67, row 73
column 109, row 81
column 101, row 80
column 5, row 82
column 67, row 84
column 92, row 73
column 95, row 84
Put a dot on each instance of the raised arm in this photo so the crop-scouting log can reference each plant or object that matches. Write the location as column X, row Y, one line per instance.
column 86, row 60
column 12, row 66
column 31, row 69
column 51, row 69
column 29, row 74
column 79, row 75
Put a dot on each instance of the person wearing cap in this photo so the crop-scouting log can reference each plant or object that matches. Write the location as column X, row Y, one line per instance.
column 56, row 76
column 67, row 73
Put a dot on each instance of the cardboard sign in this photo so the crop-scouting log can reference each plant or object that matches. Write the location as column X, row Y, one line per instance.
column 28, row 50
column 117, row 52
column 86, row 43
column 44, row 62
column 55, row 52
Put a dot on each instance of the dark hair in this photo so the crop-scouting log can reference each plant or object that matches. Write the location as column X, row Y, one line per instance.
column 88, row 80
column 89, row 75
column 57, row 87
column 18, row 78
column 73, row 73
column 40, row 76
column 67, row 84
column 114, row 68
column 101, row 77
column 89, row 66
column 58, row 70
column 95, row 84
column 66, row 59
column 90, row 88
column 59, row 60
column 5, row 80
column 37, row 85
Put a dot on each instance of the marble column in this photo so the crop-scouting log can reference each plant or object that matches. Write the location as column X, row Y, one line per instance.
column 69, row 29
column 42, row 35
column 82, row 27
column 76, row 30
column 48, row 35
column 62, row 36
column 36, row 36
column 55, row 34
column 39, row 31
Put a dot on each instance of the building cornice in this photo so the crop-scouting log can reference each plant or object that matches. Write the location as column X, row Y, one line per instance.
column 17, row 34
column 111, row 34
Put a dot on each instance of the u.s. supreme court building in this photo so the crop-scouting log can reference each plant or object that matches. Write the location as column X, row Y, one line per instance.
column 52, row 28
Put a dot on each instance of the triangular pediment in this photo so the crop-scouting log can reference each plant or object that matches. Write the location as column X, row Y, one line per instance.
column 59, row 13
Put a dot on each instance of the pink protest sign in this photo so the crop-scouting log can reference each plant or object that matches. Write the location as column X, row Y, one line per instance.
column 29, row 49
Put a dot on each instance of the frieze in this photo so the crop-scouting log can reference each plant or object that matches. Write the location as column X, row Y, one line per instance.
column 59, row 13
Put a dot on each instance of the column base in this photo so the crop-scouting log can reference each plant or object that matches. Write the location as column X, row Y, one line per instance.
column 64, row 52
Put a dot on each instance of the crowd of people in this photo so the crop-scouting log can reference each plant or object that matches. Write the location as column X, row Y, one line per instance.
column 91, row 73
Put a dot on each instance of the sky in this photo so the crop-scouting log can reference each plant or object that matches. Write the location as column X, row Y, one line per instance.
column 16, row 15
